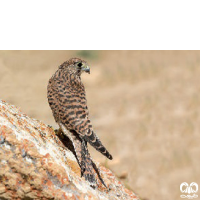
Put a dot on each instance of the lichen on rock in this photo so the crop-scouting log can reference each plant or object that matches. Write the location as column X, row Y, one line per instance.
column 35, row 164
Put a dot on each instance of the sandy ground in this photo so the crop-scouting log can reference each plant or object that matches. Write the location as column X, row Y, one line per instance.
column 144, row 105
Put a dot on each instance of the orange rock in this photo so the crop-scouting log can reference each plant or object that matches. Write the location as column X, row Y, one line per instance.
column 35, row 164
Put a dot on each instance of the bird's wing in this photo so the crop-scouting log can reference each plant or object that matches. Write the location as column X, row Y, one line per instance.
column 73, row 113
column 52, row 96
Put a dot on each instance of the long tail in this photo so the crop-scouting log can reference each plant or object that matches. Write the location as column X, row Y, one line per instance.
column 87, row 164
column 92, row 138
column 79, row 148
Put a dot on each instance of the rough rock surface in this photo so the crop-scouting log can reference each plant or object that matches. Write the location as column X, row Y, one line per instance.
column 36, row 164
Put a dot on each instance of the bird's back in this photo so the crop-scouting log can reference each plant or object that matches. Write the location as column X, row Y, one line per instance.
column 67, row 100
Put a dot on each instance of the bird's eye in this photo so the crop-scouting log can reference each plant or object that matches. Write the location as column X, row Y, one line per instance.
column 80, row 64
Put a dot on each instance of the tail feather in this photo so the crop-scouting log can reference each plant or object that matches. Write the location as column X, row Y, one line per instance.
column 88, row 172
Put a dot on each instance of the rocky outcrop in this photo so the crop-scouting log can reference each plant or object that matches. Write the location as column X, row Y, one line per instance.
column 36, row 164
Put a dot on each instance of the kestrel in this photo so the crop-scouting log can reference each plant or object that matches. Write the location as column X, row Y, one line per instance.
column 67, row 99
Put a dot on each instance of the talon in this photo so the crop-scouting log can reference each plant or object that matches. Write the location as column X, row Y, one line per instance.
column 58, row 132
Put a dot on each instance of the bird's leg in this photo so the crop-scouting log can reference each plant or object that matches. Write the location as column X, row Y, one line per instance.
column 58, row 131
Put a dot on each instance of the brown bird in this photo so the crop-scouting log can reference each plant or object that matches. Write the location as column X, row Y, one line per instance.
column 67, row 99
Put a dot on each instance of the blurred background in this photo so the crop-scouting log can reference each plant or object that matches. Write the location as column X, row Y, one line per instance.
column 144, row 105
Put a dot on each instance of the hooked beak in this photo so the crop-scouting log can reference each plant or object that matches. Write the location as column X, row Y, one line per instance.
column 86, row 69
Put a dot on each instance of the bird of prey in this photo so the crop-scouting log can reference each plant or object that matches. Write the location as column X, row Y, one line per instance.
column 67, row 99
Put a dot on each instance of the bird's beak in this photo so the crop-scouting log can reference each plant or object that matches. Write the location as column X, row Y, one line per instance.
column 86, row 69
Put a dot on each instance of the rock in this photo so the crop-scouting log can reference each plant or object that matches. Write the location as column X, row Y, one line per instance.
column 36, row 164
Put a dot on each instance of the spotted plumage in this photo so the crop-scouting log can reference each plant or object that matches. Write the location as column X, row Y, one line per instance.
column 67, row 99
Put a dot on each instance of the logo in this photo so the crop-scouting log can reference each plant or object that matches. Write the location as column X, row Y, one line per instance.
column 190, row 190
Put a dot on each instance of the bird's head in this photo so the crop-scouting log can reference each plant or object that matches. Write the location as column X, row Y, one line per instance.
column 76, row 66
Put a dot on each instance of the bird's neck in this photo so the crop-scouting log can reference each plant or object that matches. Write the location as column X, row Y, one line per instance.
column 75, row 79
